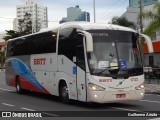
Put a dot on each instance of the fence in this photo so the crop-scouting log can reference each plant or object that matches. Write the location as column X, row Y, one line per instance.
column 152, row 75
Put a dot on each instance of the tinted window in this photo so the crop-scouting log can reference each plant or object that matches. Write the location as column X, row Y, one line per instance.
column 67, row 43
column 35, row 44
column 80, row 52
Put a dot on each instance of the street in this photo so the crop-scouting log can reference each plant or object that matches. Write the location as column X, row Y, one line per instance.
column 50, row 105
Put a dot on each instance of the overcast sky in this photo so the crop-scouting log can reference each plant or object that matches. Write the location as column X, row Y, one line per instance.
column 105, row 10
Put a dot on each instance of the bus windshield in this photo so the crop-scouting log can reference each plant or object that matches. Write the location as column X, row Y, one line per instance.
column 115, row 53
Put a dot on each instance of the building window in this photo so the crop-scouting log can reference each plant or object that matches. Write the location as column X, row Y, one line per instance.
column 153, row 37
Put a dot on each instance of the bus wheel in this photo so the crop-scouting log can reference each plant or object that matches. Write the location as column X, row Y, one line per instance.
column 18, row 86
column 64, row 94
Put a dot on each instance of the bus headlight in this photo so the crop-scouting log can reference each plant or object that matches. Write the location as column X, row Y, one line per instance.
column 141, row 86
column 94, row 87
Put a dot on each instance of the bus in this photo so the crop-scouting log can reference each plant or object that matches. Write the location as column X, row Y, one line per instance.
column 82, row 61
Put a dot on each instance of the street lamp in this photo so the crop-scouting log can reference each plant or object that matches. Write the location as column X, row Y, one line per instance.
column 141, row 22
column 94, row 11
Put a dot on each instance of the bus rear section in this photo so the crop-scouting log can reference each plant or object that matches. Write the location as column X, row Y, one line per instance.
column 31, row 61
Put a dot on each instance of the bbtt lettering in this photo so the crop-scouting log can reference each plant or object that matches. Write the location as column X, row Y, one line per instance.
column 39, row 61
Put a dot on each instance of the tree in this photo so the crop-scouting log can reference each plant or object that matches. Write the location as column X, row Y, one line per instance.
column 25, row 27
column 25, row 24
column 12, row 34
column 154, row 17
column 123, row 22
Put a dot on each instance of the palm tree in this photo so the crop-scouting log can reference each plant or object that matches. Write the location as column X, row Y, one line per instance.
column 123, row 22
column 154, row 17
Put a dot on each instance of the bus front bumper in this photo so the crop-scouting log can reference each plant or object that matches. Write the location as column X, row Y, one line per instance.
column 110, row 96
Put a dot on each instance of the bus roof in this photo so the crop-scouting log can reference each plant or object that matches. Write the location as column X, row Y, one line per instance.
column 92, row 26
column 83, row 26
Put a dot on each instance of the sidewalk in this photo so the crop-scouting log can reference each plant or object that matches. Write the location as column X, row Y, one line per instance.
column 152, row 88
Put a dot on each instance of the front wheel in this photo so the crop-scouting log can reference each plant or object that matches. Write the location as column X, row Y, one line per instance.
column 64, row 94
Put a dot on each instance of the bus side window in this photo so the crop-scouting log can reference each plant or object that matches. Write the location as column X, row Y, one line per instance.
column 80, row 52
column 67, row 43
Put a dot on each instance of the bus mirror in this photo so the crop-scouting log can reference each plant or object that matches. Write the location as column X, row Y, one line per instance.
column 149, row 43
column 89, row 40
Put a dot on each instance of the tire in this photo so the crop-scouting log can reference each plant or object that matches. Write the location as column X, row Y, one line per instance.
column 18, row 87
column 64, row 94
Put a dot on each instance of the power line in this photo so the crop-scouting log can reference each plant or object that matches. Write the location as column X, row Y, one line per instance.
column 110, row 11
column 53, row 21
column 5, row 18
column 14, row 18
column 107, row 11
column 120, row 8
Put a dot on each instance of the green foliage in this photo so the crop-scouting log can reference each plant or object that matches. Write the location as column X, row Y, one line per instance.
column 25, row 27
column 154, row 18
column 10, row 34
column 25, row 24
column 123, row 22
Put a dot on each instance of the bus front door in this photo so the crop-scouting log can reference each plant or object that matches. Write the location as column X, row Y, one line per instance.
column 81, row 74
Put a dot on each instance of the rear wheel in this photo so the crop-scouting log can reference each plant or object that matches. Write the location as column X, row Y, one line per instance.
column 64, row 94
column 18, row 86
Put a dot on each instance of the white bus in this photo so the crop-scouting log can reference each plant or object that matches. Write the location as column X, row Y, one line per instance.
column 82, row 61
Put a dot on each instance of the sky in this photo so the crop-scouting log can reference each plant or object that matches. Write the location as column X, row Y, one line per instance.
column 105, row 10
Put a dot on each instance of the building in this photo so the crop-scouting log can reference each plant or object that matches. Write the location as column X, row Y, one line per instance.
column 131, row 14
column 76, row 14
column 39, row 15
column 154, row 58
column 135, row 3
column 133, row 11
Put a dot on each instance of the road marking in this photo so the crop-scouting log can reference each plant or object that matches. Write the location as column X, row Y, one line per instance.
column 6, row 89
column 7, row 104
column 54, row 115
column 27, row 109
column 152, row 94
column 150, row 101
column 123, row 109
column 149, row 94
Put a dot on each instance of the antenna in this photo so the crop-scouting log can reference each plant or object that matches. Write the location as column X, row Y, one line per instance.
column 94, row 11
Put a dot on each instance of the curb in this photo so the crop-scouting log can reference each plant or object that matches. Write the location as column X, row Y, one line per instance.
column 157, row 93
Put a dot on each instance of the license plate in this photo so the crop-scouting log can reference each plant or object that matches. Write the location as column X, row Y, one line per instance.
column 120, row 95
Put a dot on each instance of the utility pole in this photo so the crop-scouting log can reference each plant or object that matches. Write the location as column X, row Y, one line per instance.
column 141, row 22
column 94, row 11
column 32, row 18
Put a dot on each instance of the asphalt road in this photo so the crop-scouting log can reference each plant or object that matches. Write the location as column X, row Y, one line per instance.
column 50, row 105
